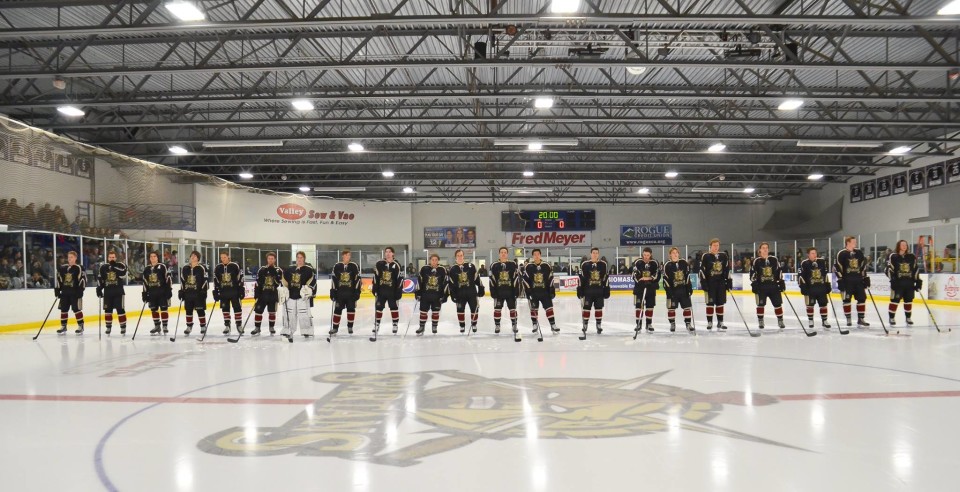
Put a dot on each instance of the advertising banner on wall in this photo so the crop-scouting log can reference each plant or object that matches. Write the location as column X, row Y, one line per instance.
column 548, row 239
column 943, row 286
column 450, row 237
column 621, row 282
column 646, row 234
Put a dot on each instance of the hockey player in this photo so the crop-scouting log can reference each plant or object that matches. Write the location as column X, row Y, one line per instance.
column 345, row 291
column 228, row 288
column 299, row 287
column 852, row 279
column 157, row 291
column 465, row 289
column 814, row 285
column 504, row 288
column 766, row 282
column 110, row 282
column 432, row 291
column 904, row 275
column 715, row 281
column 646, row 277
column 193, row 292
column 538, row 286
column 593, row 289
column 676, row 283
column 266, row 294
column 387, row 288
column 69, row 288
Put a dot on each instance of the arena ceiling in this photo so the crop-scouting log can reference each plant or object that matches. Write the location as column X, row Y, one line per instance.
column 444, row 93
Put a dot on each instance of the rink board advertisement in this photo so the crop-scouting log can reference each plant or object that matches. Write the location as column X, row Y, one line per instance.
column 646, row 234
column 548, row 239
column 943, row 286
column 450, row 237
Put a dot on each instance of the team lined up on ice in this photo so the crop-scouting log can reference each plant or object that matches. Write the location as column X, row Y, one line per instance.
column 294, row 288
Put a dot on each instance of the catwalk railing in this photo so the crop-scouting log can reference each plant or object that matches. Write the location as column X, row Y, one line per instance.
column 28, row 257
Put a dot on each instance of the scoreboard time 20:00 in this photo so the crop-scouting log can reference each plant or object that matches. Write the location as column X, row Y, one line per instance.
column 548, row 220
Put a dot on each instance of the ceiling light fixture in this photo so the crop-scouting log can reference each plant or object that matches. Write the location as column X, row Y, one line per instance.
column 338, row 189
column 643, row 191
column 388, row 174
column 543, row 102
column 305, row 189
column 72, row 111
column 246, row 176
column 564, row 6
column 355, row 147
column 176, row 149
column 838, row 143
column 671, row 174
column 409, row 190
column 636, row 70
column 216, row 144
column 951, row 8
column 534, row 146
column 526, row 190
column 568, row 142
column 815, row 177
column 901, row 150
column 749, row 190
column 302, row 105
column 790, row 104
column 717, row 147
column 185, row 11
column 528, row 174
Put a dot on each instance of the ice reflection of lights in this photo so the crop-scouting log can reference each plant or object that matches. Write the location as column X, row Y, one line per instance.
column 184, row 475
column 538, row 476
column 361, row 476
column 410, row 403
column 903, row 463
column 250, row 433
column 817, row 418
column 719, row 468
column 530, row 419
column 309, row 410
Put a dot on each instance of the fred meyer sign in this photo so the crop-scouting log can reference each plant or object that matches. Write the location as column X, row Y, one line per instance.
column 641, row 235
column 548, row 239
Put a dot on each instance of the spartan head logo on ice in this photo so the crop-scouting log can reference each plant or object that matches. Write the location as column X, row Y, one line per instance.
column 362, row 417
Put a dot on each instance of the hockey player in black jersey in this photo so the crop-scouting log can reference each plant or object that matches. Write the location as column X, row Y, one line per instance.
column 266, row 294
column 766, row 282
column 852, row 280
column 676, row 283
column 193, row 292
column 228, row 288
column 432, row 291
column 904, row 275
column 715, row 281
column 157, row 291
column 646, row 278
column 504, row 288
column 69, row 287
column 465, row 289
column 345, row 291
column 110, row 280
column 814, row 283
column 296, row 295
column 593, row 289
column 538, row 286
column 387, row 288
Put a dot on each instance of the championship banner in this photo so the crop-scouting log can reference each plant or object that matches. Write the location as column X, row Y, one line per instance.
column 548, row 239
column 646, row 234
column 953, row 171
column 450, row 237
column 935, row 175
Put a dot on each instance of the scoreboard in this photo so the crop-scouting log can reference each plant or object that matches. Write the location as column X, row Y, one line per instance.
column 548, row 220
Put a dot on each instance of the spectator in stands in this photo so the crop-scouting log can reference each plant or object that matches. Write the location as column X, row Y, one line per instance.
column 6, row 283
column 36, row 281
column 483, row 271
column 410, row 269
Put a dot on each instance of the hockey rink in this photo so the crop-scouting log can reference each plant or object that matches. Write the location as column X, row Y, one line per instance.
column 668, row 411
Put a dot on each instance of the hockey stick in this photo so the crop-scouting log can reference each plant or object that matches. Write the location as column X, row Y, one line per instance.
column 144, row 308
column 737, row 305
column 45, row 319
column 585, row 323
column 836, row 318
column 333, row 307
column 235, row 340
column 99, row 321
column 203, row 330
column 935, row 325
column 636, row 329
column 808, row 333
column 884, row 325
column 176, row 325
column 416, row 312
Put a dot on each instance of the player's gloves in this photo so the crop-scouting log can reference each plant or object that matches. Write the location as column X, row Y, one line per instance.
column 283, row 294
column 375, row 288
column 216, row 295
column 866, row 282
column 143, row 295
column 257, row 292
column 356, row 296
column 755, row 287
column 782, row 285
column 480, row 291
column 333, row 294
column 689, row 289
column 606, row 292
column 306, row 292
column 398, row 293
column 729, row 283
column 579, row 292
column 416, row 295
column 180, row 294
column 56, row 293
column 553, row 293
column 99, row 291
column 804, row 289
column 918, row 285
